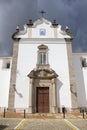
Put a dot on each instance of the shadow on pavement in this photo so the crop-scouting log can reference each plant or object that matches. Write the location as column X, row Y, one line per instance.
column 2, row 127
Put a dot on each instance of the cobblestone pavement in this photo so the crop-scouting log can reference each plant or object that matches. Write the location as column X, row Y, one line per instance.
column 8, row 123
column 80, row 123
column 43, row 124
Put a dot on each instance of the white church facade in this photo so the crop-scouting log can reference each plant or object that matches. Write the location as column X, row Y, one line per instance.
column 44, row 74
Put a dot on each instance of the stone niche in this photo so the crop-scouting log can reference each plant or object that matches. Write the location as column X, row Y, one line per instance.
column 42, row 78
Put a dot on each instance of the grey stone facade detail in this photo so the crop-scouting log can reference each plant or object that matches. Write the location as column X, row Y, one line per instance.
column 43, row 78
column 71, row 75
column 13, row 76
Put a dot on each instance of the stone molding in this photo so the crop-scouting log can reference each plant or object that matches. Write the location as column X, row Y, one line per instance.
column 48, row 40
column 43, row 74
column 52, row 94
column 43, row 78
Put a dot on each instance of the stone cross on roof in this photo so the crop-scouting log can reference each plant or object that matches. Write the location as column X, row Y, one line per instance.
column 42, row 12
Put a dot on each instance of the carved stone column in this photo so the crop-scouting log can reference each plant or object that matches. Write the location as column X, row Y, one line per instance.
column 31, row 96
column 54, row 96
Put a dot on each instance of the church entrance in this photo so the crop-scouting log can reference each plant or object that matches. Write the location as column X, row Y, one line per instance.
column 42, row 87
column 42, row 100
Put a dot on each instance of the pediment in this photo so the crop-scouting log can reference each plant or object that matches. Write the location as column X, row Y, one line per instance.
column 41, row 21
column 41, row 28
column 43, row 74
column 42, row 47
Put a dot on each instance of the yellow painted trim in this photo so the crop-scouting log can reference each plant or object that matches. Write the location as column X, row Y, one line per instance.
column 21, row 125
column 69, row 124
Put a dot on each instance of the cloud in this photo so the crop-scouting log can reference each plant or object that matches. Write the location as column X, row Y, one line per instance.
column 71, row 13
column 5, row 1
column 66, row 12
column 13, row 13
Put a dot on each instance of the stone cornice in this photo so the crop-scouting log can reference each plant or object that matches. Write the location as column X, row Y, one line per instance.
column 68, row 40
column 5, row 57
column 42, row 46
column 42, row 74
column 80, row 53
column 43, row 40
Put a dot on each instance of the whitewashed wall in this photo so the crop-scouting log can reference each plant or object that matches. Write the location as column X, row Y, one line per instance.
column 49, row 31
column 4, row 83
column 27, row 59
column 81, row 77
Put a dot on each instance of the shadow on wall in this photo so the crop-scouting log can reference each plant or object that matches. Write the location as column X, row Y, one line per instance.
column 59, row 85
column 19, row 94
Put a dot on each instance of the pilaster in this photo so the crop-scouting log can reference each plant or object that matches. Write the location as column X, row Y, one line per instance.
column 13, row 76
column 55, row 33
column 71, row 74
column 31, row 96
column 30, row 32
column 54, row 97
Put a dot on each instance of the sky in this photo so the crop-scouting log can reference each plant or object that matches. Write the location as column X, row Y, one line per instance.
column 71, row 13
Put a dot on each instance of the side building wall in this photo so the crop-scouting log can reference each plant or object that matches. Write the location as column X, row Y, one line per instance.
column 81, row 77
column 5, row 70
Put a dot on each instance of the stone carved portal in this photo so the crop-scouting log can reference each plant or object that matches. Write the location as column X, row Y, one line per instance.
column 42, row 87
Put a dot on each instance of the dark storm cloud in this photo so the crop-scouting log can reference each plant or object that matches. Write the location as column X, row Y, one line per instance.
column 72, row 13
column 66, row 12
column 12, row 13
column 5, row 1
column 79, row 27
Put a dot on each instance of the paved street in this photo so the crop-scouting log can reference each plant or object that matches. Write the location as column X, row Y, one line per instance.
column 43, row 124
column 8, row 123
column 80, row 123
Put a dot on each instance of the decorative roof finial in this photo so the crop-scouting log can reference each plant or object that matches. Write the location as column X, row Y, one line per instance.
column 42, row 12
column 30, row 23
column 68, row 32
column 54, row 23
column 17, row 28
column 67, row 28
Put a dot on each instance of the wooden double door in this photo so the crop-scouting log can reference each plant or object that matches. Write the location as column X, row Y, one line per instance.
column 42, row 99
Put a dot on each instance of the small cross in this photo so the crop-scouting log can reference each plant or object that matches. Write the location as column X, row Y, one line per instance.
column 42, row 12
